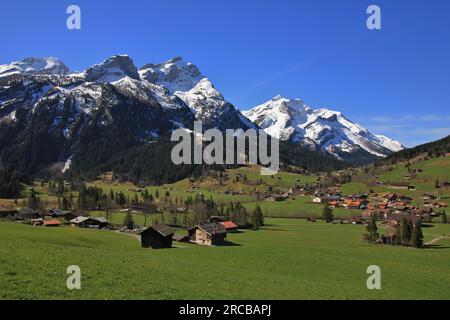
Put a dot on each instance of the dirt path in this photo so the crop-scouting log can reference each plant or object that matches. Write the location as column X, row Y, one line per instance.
column 129, row 234
column 435, row 240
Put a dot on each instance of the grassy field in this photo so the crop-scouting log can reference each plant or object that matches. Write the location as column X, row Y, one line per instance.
column 288, row 259
column 299, row 207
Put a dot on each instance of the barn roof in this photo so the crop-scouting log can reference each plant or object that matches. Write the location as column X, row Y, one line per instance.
column 79, row 219
column 162, row 229
column 212, row 228
column 399, row 217
column 26, row 211
column 229, row 224
column 52, row 223
column 101, row 220
column 180, row 237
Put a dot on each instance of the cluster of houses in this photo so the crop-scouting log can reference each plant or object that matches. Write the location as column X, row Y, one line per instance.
column 381, row 204
column 53, row 218
column 207, row 234
column 158, row 236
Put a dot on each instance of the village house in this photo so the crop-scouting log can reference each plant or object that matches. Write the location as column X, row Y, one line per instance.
column 26, row 213
column 89, row 222
column 317, row 200
column 208, row 234
column 51, row 223
column 353, row 204
column 157, row 237
column 69, row 216
column 399, row 185
column 55, row 213
column 394, row 219
column 37, row 222
column 7, row 212
column 277, row 197
column 230, row 226
column 180, row 238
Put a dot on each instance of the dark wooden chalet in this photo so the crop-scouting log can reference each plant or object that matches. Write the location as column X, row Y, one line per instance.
column 208, row 234
column 26, row 213
column 157, row 237
column 89, row 222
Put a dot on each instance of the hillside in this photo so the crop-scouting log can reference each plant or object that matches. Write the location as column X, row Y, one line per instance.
column 427, row 150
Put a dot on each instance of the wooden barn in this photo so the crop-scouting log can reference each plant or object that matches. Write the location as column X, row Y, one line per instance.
column 26, row 213
column 208, row 234
column 157, row 237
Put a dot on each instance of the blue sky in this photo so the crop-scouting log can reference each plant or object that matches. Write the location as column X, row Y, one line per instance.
column 394, row 81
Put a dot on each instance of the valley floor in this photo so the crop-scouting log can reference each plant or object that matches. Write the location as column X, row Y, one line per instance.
column 287, row 259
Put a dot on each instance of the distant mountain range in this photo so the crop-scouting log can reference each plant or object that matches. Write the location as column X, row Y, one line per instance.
column 51, row 116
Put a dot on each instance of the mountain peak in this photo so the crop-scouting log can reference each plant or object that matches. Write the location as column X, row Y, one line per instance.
column 277, row 97
column 175, row 74
column 33, row 65
column 112, row 69
column 291, row 119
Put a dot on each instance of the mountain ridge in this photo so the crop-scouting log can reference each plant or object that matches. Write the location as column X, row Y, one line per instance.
column 292, row 119
column 50, row 115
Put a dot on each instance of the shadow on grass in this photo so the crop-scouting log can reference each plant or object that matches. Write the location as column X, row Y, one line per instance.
column 274, row 229
column 229, row 244
column 435, row 247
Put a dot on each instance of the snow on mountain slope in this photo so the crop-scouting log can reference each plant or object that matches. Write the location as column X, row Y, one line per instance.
column 48, row 65
column 184, row 80
column 329, row 130
column 203, row 96
column 175, row 74
column 390, row 144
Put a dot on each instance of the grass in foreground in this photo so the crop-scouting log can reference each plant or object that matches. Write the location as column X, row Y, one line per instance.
column 288, row 259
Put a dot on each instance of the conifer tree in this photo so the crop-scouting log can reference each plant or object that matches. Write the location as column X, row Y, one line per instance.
column 257, row 217
column 417, row 235
column 372, row 230
column 327, row 213
column 128, row 221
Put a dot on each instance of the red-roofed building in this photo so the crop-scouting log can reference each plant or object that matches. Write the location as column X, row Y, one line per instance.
column 52, row 223
column 230, row 226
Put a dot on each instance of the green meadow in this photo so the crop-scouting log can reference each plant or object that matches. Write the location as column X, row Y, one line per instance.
column 287, row 259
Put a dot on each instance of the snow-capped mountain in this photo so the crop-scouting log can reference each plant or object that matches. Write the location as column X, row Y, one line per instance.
column 48, row 115
column 33, row 66
column 292, row 119
column 80, row 121
column 184, row 80
column 112, row 69
column 175, row 74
